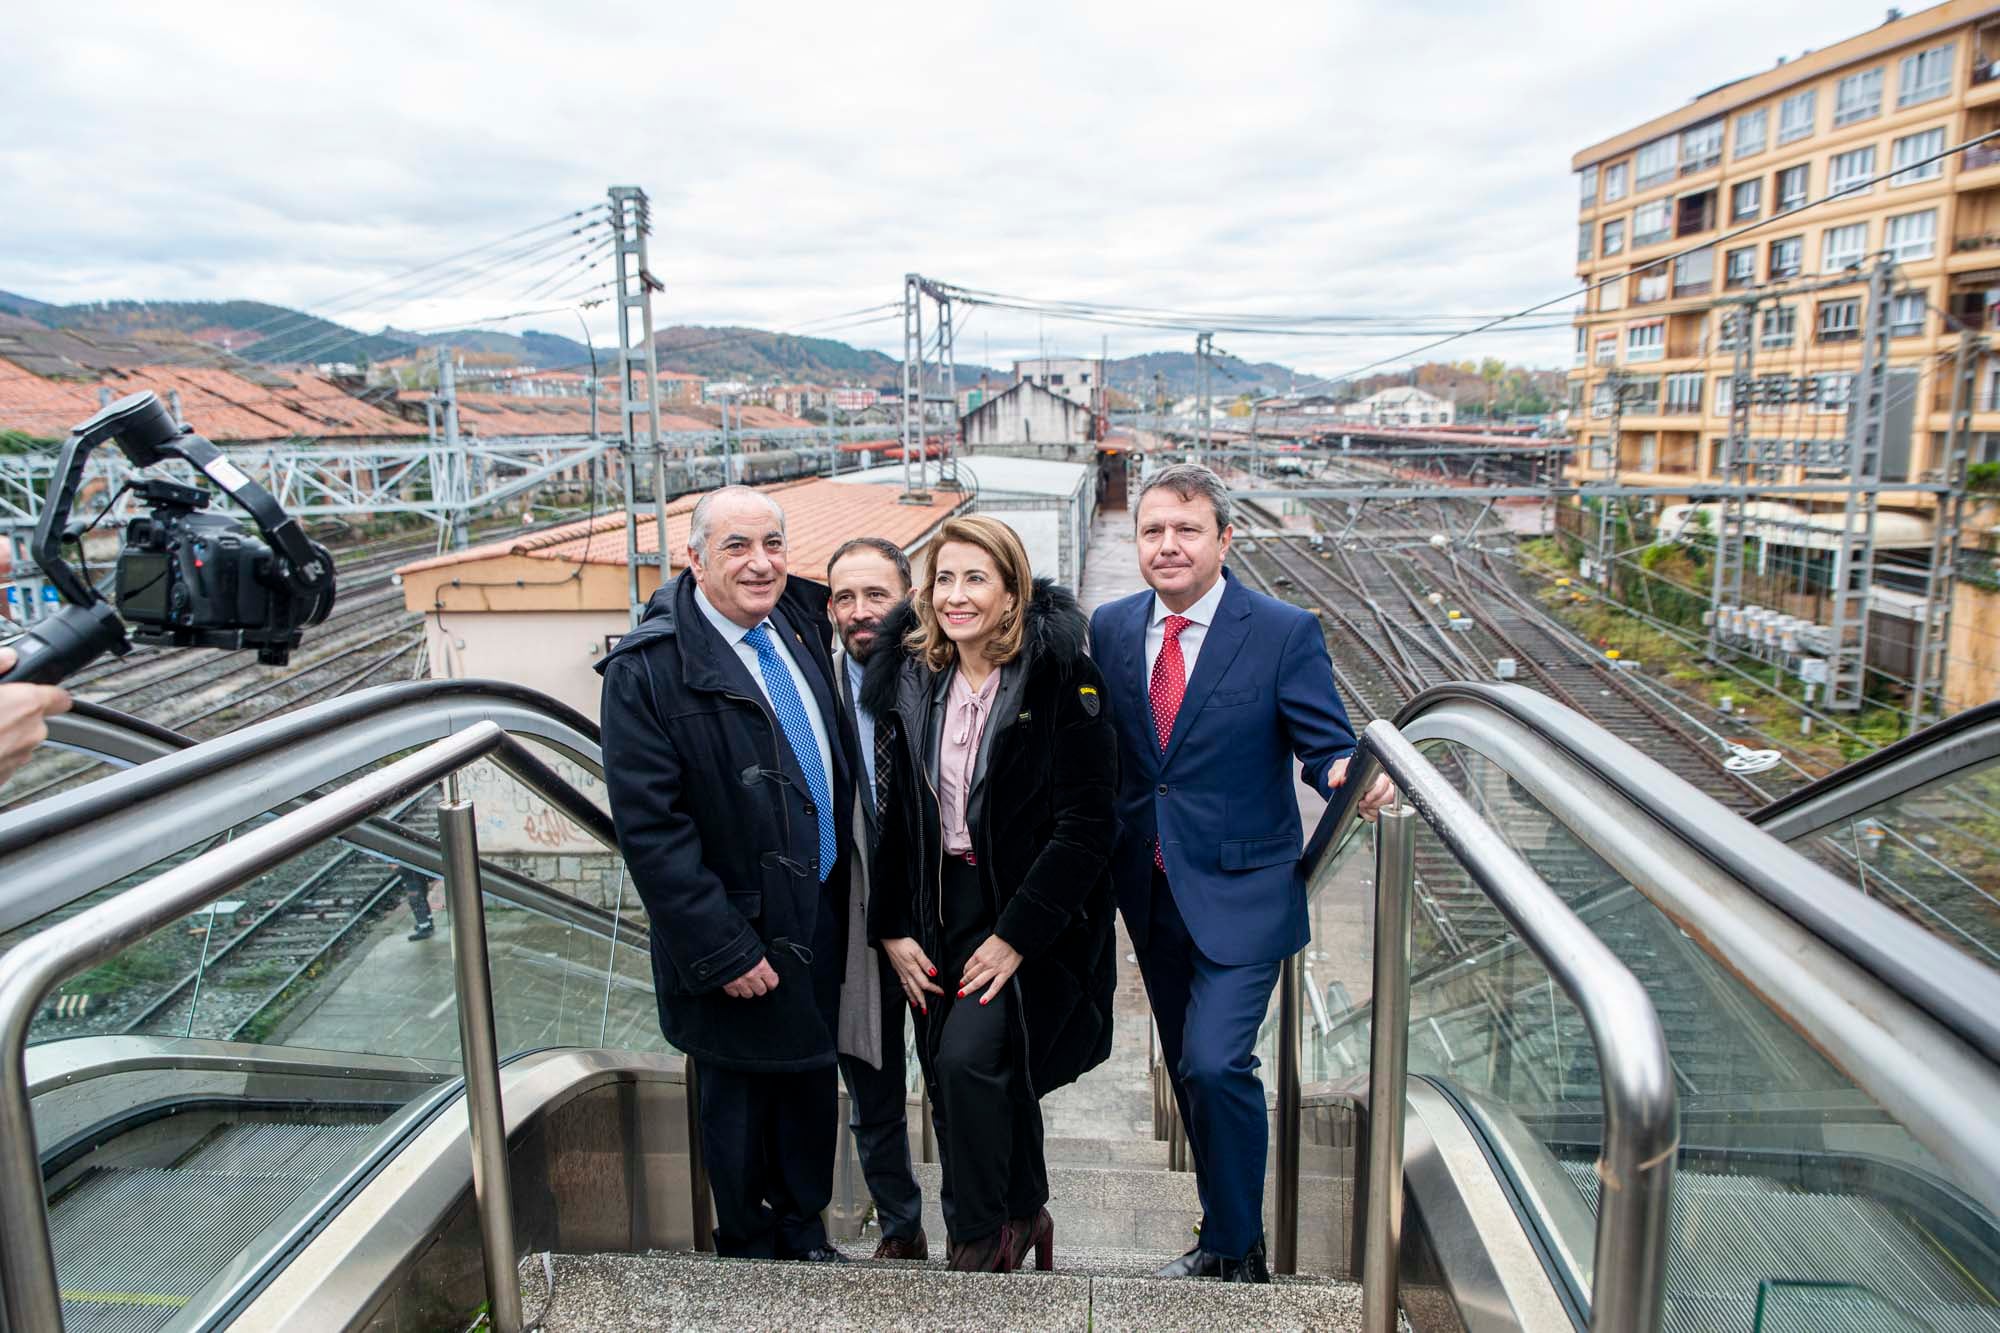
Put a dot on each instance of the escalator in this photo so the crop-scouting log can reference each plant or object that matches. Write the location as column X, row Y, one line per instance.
column 205, row 1100
column 224, row 1142
column 1823, row 1178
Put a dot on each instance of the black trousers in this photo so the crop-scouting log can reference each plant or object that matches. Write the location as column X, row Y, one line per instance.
column 879, row 1117
column 769, row 1139
column 988, row 1120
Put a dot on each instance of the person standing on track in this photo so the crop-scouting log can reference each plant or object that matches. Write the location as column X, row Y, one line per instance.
column 1214, row 688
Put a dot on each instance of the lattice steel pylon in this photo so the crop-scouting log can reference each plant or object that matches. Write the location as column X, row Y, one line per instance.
column 631, row 224
column 1854, row 556
column 920, row 405
column 1732, row 510
column 1927, row 683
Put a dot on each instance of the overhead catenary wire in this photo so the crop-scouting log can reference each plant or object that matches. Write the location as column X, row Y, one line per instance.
column 1661, row 261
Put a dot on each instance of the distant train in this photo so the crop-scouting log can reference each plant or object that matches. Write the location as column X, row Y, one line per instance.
column 757, row 467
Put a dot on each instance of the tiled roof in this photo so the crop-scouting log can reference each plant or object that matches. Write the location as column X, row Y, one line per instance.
column 222, row 404
column 820, row 514
column 494, row 415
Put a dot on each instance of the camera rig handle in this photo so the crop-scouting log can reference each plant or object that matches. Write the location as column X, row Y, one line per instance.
column 88, row 626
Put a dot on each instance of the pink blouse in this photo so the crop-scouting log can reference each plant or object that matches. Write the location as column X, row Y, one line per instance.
column 958, row 755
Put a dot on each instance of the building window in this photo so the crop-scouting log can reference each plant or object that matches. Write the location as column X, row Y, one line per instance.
column 1646, row 342
column 1839, row 321
column 1725, row 394
column 1740, row 267
column 1601, row 399
column 1584, row 232
column 1795, row 116
column 1600, row 447
column 1831, row 393
column 1055, row 379
column 1726, row 331
column 1650, row 285
column 1750, row 131
column 1746, row 201
column 1614, row 182
column 1925, row 77
column 1911, row 236
column 1907, row 315
column 1649, row 451
column 1694, row 213
column 1848, row 173
column 1701, row 146
column 1654, row 163
column 1793, row 183
column 1611, row 296
column 1684, row 393
column 1614, row 238
column 1857, row 97
column 1694, row 273
column 1781, row 326
column 1842, row 247
column 1607, row 351
column 1788, row 257
column 1653, row 223
column 1586, row 181
column 1582, row 344
column 1642, row 395
column 1912, row 148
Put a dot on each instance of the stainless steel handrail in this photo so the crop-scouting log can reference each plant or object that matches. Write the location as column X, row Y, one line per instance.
column 1641, row 1129
column 57, row 849
column 33, row 968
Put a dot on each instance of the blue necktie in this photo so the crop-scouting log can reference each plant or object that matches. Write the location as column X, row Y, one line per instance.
column 792, row 720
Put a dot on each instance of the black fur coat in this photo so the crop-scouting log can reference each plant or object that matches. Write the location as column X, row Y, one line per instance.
column 1042, row 822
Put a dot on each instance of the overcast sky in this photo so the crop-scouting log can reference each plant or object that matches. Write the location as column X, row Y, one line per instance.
column 1407, row 159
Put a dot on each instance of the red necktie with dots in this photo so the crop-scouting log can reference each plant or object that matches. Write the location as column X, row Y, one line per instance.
column 1168, row 688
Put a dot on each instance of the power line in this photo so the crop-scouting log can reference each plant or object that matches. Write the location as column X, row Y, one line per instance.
column 1660, row 262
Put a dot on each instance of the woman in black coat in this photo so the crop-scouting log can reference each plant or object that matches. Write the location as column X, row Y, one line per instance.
column 992, row 891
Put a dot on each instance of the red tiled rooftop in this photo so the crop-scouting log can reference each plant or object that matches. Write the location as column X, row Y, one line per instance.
column 819, row 516
column 220, row 404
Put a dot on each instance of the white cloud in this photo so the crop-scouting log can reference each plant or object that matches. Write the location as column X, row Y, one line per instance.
column 1354, row 157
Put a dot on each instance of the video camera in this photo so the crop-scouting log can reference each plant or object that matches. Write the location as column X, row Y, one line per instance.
column 185, row 577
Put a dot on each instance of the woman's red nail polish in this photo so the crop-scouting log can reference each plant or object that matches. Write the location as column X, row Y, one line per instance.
column 961, row 995
column 984, row 998
column 933, row 971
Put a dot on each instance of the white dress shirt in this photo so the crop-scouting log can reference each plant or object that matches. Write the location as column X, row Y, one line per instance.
column 1202, row 613
column 733, row 634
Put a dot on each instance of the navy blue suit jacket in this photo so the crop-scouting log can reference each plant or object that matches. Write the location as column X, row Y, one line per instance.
column 1220, row 799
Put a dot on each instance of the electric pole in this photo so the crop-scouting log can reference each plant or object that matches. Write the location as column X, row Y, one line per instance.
column 638, row 386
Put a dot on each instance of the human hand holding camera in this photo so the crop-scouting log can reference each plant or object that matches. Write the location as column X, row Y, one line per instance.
column 24, row 714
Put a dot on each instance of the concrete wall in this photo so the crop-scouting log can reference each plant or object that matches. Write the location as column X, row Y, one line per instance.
column 555, row 652
column 1027, row 416
column 1973, row 675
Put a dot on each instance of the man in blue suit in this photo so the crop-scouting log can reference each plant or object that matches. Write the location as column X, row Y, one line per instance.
column 1215, row 689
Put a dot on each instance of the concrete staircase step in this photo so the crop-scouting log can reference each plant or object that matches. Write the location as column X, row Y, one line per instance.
column 1062, row 1151
column 611, row 1292
column 1127, row 1208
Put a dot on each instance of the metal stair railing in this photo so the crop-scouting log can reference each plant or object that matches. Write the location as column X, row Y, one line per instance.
column 36, row 966
column 1641, row 1116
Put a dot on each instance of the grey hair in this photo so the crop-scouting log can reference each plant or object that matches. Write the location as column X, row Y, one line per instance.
column 698, row 521
column 1189, row 480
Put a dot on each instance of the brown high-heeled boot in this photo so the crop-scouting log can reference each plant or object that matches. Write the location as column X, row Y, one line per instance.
column 1037, row 1233
column 989, row 1254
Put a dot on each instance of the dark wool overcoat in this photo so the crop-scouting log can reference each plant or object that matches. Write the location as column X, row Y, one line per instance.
column 718, row 830
column 1041, row 814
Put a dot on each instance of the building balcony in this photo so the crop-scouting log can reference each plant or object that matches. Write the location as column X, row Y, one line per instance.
column 1981, row 155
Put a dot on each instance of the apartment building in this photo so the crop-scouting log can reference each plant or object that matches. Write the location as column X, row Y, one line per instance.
column 1655, row 347
column 1079, row 379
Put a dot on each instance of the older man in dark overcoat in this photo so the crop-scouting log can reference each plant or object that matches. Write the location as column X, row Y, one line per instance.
column 730, row 771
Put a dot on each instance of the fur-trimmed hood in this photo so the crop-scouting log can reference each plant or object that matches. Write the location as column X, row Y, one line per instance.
column 1057, row 637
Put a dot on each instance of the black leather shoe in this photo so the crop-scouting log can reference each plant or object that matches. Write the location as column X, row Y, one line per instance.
column 1197, row 1262
column 826, row 1254
column 1252, row 1267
